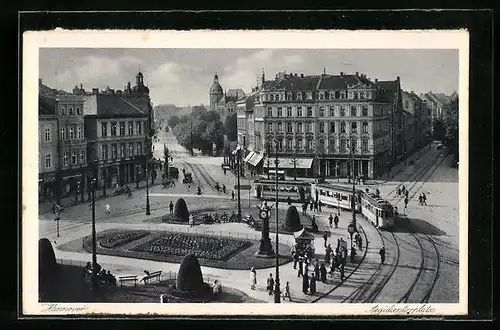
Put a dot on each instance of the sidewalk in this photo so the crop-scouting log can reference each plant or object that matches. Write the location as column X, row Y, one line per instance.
column 240, row 278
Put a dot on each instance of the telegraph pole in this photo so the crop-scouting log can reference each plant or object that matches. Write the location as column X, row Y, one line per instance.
column 277, row 283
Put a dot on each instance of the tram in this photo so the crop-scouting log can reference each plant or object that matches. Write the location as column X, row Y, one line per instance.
column 297, row 191
column 377, row 210
column 336, row 196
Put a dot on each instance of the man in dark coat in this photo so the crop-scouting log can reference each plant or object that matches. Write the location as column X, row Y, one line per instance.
column 336, row 221
column 316, row 270
column 322, row 271
column 300, row 271
column 382, row 254
column 270, row 284
column 305, row 283
column 295, row 256
column 312, row 284
column 325, row 237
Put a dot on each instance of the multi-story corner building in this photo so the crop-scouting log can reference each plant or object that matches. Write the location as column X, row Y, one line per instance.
column 317, row 121
column 48, row 154
column 414, row 105
column 116, row 131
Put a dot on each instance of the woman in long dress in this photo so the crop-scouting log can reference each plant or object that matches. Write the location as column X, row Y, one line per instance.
column 253, row 278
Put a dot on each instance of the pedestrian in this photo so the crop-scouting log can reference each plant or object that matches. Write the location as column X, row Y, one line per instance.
column 314, row 225
column 330, row 220
column 319, row 206
column 342, row 272
column 232, row 195
column 424, row 199
column 300, row 271
column 316, row 270
column 407, row 193
column 311, row 205
column 377, row 192
column 253, row 278
column 286, row 293
column 398, row 191
column 191, row 221
column 420, row 199
column 336, row 221
column 312, row 284
column 360, row 243
column 171, row 207
column 183, row 171
column 328, row 253
column 382, row 254
column 270, row 284
column 305, row 283
column 108, row 209
column 316, row 206
column 224, row 188
column 295, row 256
column 406, row 203
column 224, row 171
column 322, row 271
column 304, row 209
column 325, row 237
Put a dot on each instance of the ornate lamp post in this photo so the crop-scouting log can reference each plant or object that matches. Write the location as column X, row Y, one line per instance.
column 277, row 295
column 352, row 226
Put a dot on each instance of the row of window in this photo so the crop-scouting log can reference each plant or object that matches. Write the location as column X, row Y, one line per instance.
column 331, row 110
column 71, row 132
column 309, row 127
column 119, row 127
column 309, row 145
column 70, row 110
column 318, row 95
column 125, row 150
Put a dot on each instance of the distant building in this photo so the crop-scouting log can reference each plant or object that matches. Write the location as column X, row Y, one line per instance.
column 314, row 119
column 417, row 128
column 223, row 102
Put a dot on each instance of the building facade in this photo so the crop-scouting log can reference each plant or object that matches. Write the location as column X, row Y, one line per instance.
column 116, row 132
column 318, row 121
column 48, row 154
column 223, row 102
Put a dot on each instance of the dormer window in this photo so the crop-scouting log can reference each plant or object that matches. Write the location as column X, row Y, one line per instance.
column 361, row 95
column 309, row 95
column 321, row 96
column 332, row 95
column 271, row 97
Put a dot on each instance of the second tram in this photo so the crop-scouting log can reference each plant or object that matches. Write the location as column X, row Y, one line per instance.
column 336, row 196
column 297, row 191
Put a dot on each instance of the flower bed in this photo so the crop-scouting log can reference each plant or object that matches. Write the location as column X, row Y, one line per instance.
column 115, row 239
column 206, row 247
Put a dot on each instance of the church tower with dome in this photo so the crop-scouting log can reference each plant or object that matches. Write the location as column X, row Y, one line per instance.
column 216, row 93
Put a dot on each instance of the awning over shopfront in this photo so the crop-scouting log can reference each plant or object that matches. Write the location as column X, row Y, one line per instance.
column 247, row 158
column 255, row 159
column 288, row 163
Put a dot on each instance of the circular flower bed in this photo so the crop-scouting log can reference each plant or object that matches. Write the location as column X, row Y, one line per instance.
column 206, row 247
column 115, row 239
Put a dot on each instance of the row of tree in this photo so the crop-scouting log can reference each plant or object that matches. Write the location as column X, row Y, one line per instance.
column 201, row 128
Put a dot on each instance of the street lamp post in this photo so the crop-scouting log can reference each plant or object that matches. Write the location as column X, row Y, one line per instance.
column 94, row 238
column 238, row 169
column 147, row 191
column 137, row 176
column 277, row 296
column 352, row 226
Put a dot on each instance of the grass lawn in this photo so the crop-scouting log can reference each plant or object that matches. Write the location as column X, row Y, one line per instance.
column 242, row 257
column 66, row 285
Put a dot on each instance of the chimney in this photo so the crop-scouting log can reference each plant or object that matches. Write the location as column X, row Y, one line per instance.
column 341, row 74
column 128, row 86
column 95, row 91
column 81, row 87
column 301, row 75
column 357, row 74
column 376, row 80
column 398, row 78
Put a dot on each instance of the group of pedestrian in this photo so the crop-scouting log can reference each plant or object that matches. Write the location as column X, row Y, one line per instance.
column 422, row 199
column 333, row 220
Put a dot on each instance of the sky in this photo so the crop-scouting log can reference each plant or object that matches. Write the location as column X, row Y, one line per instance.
column 183, row 76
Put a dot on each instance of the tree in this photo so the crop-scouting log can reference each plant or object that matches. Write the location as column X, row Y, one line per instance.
column 173, row 121
column 166, row 156
column 189, row 277
column 231, row 127
column 439, row 130
column 181, row 211
column 292, row 219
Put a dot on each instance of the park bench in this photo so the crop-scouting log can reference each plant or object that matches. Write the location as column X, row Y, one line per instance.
column 151, row 276
column 124, row 279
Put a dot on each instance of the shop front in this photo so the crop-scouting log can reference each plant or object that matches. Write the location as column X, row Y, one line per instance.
column 303, row 166
column 47, row 186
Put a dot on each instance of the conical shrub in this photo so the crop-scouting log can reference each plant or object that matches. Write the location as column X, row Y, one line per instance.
column 46, row 258
column 292, row 220
column 189, row 277
column 180, row 210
